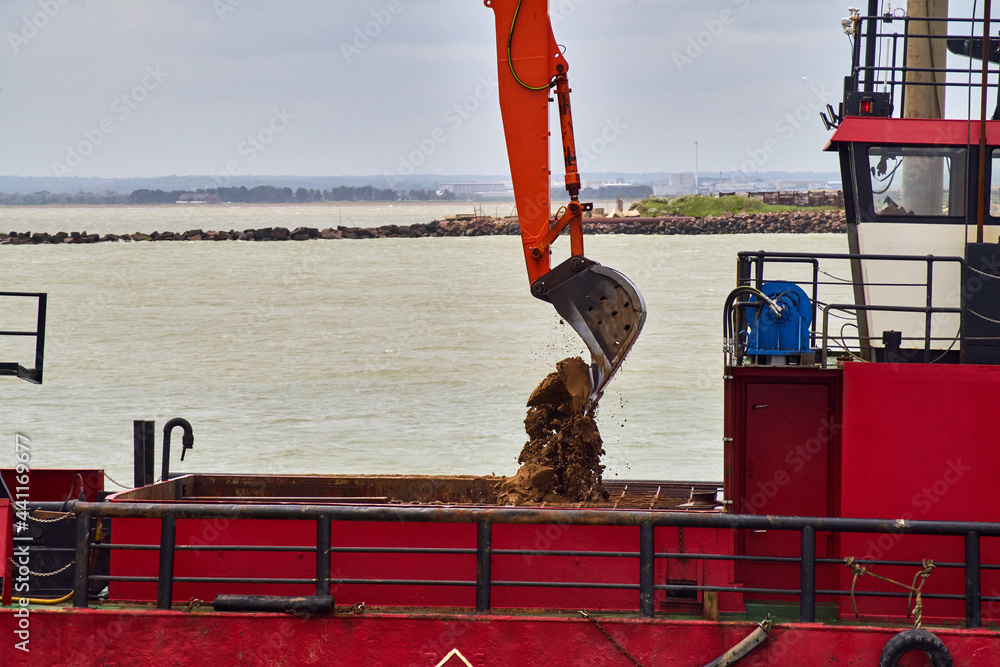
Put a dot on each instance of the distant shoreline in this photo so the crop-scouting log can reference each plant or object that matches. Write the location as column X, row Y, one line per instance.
column 314, row 204
column 792, row 222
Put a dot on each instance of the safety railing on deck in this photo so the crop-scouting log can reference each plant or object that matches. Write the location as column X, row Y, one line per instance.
column 821, row 286
column 881, row 56
column 485, row 518
column 34, row 374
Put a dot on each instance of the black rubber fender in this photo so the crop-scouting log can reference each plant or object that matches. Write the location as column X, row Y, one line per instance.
column 915, row 640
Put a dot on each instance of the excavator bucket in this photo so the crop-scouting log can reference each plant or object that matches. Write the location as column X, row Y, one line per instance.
column 602, row 305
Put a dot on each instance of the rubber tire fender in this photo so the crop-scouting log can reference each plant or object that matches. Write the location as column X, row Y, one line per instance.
column 915, row 640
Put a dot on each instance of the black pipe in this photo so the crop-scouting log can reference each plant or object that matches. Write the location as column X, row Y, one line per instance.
column 484, row 561
column 646, row 550
column 143, row 436
column 807, row 577
column 323, row 555
column 312, row 604
column 138, row 455
column 168, row 538
column 187, row 441
column 40, row 338
column 149, row 442
column 871, row 39
column 973, row 591
column 81, row 571
column 527, row 515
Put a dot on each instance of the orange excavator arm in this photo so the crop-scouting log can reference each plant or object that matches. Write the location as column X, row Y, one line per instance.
column 601, row 304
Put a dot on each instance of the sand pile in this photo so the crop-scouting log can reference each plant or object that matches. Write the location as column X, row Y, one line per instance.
column 562, row 459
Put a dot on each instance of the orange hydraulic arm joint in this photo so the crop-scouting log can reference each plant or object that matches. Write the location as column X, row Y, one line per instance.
column 601, row 304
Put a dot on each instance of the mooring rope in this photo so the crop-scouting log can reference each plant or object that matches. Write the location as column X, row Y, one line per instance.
column 923, row 575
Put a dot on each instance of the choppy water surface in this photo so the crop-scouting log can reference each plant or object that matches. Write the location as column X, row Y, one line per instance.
column 378, row 356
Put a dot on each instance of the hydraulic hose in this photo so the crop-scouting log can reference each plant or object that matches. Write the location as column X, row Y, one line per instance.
column 741, row 650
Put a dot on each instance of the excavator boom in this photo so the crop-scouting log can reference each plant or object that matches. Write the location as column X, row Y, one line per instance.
column 601, row 304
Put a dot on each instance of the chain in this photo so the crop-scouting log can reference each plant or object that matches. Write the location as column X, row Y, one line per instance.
column 356, row 608
column 988, row 319
column 45, row 574
column 194, row 603
column 611, row 639
column 982, row 273
column 118, row 484
column 53, row 520
column 843, row 280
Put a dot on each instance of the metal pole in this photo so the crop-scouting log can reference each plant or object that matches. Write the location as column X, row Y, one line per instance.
column 929, row 304
column 807, row 596
column 323, row 555
column 870, row 42
column 696, row 167
column 973, row 592
column 40, row 336
column 139, row 452
column 647, row 608
column 165, row 579
column 149, row 440
column 81, row 571
column 484, row 558
column 983, row 202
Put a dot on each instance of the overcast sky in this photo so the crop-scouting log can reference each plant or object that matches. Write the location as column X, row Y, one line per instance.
column 121, row 88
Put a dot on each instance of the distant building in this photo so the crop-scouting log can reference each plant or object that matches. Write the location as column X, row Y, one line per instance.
column 785, row 186
column 743, row 187
column 474, row 189
column 192, row 198
column 680, row 184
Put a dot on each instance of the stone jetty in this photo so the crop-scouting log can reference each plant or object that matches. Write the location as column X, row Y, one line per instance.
column 794, row 222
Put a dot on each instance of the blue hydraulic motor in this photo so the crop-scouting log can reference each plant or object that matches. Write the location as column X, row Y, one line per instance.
column 780, row 325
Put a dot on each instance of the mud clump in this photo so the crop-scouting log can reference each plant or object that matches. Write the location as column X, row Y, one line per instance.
column 562, row 459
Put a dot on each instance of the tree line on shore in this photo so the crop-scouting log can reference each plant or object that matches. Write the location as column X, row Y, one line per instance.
column 261, row 194
column 269, row 194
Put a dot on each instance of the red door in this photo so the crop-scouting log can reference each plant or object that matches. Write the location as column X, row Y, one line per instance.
column 787, row 464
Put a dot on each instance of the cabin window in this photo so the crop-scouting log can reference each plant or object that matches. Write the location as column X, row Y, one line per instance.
column 917, row 180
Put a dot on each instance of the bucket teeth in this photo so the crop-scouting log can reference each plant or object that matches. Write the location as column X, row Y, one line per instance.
column 602, row 305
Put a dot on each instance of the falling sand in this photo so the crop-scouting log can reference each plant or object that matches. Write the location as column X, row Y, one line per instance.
column 562, row 459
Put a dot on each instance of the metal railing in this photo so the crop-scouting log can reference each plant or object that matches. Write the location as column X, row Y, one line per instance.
column 33, row 375
column 485, row 518
column 751, row 273
column 882, row 46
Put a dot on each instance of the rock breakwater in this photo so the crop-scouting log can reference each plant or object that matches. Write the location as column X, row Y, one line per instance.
column 794, row 222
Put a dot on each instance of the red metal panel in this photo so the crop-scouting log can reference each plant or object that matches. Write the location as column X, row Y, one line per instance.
column 446, row 567
column 920, row 442
column 565, row 569
column 440, row 567
column 7, row 547
column 53, row 484
column 301, row 565
column 914, row 131
column 92, row 637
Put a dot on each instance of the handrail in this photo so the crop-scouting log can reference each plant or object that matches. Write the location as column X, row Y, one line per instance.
column 750, row 272
column 486, row 517
column 33, row 375
column 928, row 311
column 878, row 30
